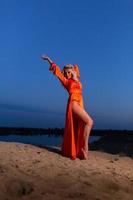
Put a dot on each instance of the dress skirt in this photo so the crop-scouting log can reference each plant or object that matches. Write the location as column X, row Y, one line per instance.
column 73, row 140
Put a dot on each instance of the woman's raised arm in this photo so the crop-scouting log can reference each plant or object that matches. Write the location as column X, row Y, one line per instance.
column 56, row 70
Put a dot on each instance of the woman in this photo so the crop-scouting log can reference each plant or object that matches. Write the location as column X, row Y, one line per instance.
column 78, row 123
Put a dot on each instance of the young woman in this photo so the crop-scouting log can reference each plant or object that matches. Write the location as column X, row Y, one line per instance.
column 78, row 123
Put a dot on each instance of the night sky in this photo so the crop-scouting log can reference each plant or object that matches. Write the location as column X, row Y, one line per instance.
column 96, row 35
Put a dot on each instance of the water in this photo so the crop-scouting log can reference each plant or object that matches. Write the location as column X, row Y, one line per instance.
column 40, row 140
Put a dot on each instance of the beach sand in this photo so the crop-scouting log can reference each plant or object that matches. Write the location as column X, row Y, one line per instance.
column 29, row 172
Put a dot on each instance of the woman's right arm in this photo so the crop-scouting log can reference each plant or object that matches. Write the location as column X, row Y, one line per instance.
column 56, row 70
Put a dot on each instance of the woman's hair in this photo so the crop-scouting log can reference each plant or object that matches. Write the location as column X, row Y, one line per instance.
column 68, row 66
column 74, row 67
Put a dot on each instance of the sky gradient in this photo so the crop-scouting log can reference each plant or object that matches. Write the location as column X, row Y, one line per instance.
column 96, row 35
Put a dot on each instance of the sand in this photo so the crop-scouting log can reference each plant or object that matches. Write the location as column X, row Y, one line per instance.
column 29, row 172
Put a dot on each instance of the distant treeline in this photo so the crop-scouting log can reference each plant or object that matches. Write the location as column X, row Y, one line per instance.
column 58, row 131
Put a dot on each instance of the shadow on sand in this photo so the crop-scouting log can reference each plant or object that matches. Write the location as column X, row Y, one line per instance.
column 53, row 149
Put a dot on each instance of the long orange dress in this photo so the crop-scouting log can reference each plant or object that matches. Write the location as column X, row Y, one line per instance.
column 73, row 140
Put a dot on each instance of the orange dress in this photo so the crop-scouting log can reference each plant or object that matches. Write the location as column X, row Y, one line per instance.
column 73, row 140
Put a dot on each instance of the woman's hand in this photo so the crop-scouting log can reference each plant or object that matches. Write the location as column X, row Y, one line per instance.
column 72, row 72
column 74, row 75
column 45, row 57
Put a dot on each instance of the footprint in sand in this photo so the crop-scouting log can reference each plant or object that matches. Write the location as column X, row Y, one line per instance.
column 76, row 195
column 2, row 169
column 19, row 188
column 116, row 159
column 87, row 183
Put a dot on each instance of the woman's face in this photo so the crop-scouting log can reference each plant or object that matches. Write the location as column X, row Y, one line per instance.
column 67, row 73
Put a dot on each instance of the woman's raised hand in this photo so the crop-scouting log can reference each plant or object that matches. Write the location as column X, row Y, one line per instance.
column 74, row 75
column 45, row 57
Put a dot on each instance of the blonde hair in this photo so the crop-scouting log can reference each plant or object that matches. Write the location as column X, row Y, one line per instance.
column 74, row 67
column 68, row 66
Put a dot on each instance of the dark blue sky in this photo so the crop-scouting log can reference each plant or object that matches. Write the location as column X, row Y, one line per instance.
column 97, row 35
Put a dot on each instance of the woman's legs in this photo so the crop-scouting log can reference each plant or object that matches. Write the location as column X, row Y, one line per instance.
column 83, row 115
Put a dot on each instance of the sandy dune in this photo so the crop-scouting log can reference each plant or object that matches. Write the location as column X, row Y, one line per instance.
column 30, row 172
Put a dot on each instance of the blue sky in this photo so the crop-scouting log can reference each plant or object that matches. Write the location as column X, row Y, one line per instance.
column 96, row 35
